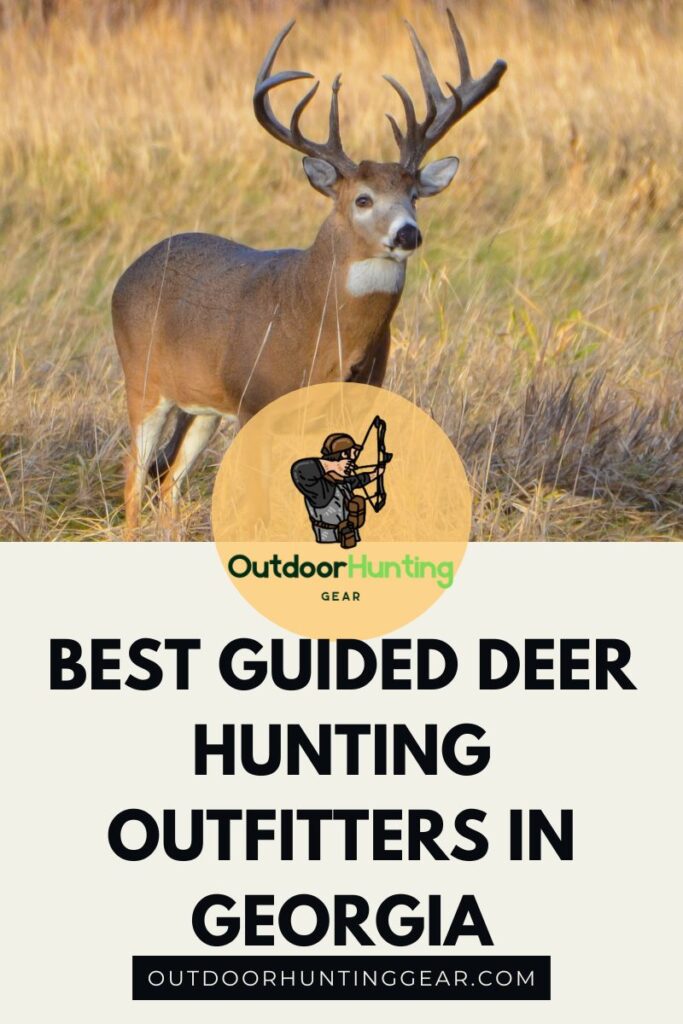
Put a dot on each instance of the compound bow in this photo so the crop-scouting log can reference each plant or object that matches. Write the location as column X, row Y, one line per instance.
column 378, row 427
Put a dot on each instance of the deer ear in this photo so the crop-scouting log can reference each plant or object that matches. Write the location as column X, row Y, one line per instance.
column 434, row 178
column 322, row 175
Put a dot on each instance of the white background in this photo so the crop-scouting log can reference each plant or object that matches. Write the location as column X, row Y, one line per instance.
column 73, row 914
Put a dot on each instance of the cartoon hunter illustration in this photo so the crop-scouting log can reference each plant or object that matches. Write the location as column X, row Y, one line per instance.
column 328, row 482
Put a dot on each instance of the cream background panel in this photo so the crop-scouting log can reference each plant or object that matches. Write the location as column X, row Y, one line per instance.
column 73, row 915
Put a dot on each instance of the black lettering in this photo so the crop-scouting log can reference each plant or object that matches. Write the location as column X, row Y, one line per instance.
column 230, row 925
column 607, row 666
column 425, row 648
column 257, row 669
column 182, row 647
column 203, row 749
column 65, row 657
column 512, row 666
column 154, row 671
column 115, row 837
column 320, row 928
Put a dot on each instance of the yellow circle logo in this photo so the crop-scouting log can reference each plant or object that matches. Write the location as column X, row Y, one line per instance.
column 341, row 510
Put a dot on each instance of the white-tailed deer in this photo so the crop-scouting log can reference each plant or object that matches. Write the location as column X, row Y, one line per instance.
column 206, row 327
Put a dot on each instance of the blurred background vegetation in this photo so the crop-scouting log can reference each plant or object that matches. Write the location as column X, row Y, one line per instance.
column 542, row 324
column 117, row 12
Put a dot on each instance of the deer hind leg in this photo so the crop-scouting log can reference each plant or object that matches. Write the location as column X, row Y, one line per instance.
column 196, row 438
column 146, row 431
column 162, row 463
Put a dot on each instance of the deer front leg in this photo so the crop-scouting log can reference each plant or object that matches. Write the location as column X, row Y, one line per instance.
column 371, row 369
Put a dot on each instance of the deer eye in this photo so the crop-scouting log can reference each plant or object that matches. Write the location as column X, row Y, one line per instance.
column 413, row 200
column 364, row 201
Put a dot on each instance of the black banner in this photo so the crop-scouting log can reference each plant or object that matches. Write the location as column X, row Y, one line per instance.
column 341, row 977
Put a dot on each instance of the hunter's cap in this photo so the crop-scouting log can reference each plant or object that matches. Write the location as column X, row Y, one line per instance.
column 336, row 443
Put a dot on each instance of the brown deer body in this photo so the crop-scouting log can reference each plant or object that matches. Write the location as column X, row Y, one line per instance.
column 206, row 327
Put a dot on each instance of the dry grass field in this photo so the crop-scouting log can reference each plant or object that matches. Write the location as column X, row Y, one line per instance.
column 542, row 323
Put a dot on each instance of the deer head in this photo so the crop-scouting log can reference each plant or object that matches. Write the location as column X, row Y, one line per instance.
column 378, row 200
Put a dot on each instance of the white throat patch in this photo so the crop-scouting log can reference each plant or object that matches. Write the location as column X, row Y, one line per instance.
column 375, row 275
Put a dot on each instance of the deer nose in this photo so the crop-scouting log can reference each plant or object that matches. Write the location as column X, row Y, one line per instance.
column 408, row 237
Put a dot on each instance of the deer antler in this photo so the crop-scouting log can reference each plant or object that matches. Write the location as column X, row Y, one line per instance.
column 332, row 150
column 442, row 111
